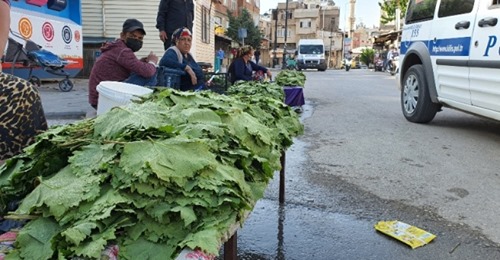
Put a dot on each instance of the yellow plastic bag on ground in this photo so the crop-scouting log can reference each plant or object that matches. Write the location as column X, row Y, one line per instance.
column 408, row 234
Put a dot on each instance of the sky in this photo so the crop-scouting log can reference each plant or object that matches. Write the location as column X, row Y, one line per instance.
column 367, row 11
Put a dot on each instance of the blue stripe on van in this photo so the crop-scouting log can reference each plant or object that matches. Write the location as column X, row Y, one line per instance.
column 443, row 47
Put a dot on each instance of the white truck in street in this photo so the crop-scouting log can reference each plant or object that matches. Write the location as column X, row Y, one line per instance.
column 311, row 54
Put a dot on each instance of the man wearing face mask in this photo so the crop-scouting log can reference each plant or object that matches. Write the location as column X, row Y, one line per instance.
column 119, row 63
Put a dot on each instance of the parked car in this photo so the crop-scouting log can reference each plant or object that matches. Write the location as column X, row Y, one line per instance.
column 449, row 58
column 355, row 63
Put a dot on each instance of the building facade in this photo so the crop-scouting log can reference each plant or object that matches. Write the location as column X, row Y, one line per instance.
column 221, row 24
column 102, row 21
column 305, row 20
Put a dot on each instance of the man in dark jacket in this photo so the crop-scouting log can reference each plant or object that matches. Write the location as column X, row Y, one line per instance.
column 119, row 63
column 173, row 14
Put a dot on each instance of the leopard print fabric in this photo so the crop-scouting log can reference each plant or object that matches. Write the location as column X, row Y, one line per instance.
column 21, row 115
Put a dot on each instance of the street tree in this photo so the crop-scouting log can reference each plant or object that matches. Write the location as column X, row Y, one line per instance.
column 389, row 10
column 367, row 56
column 244, row 20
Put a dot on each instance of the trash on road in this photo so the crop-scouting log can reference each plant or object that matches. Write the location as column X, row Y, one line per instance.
column 408, row 234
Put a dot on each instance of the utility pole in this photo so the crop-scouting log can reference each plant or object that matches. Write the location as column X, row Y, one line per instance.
column 286, row 32
column 275, row 17
column 331, row 43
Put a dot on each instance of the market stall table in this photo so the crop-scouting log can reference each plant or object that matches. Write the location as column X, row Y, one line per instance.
column 231, row 246
column 294, row 96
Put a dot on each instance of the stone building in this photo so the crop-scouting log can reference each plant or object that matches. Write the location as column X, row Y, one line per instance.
column 313, row 19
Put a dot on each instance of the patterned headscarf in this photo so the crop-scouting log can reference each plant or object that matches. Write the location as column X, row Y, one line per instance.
column 180, row 32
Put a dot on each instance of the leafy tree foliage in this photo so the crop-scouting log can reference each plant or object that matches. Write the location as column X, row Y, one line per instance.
column 389, row 8
column 244, row 20
column 367, row 56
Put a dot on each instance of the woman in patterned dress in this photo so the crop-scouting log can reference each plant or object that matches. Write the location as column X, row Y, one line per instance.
column 21, row 112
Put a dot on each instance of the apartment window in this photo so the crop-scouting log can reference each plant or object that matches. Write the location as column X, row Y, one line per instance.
column 248, row 1
column 218, row 20
column 257, row 3
column 233, row 4
column 205, row 25
column 281, row 33
column 283, row 15
column 305, row 23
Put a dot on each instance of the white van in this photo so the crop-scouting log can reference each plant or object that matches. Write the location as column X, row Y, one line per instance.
column 450, row 58
column 311, row 54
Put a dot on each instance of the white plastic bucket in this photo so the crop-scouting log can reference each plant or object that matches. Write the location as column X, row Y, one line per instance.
column 114, row 93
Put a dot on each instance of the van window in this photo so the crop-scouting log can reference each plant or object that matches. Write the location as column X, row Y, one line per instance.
column 311, row 49
column 420, row 10
column 455, row 7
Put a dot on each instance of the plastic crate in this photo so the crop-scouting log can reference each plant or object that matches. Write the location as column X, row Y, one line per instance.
column 219, row 82
column 170, row 78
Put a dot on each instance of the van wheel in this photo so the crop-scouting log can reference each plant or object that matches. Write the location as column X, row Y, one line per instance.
column 416, row 102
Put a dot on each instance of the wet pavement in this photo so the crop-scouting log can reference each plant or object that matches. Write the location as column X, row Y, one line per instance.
column 326, row 216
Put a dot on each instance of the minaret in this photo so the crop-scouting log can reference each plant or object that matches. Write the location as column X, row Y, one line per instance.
column 352, row 17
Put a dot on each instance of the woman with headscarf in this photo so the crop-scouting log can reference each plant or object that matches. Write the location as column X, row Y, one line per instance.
column 178, row 57
column 243, row 67
column 21, row 111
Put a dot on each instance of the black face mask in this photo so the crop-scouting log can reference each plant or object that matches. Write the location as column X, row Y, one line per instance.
column 133, row 44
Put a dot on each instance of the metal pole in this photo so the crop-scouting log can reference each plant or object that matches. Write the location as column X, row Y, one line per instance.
column 323, row 23
column 275, row 16
column 331, row 41
column 330, row 53
column 342, row 48
column 286, row 32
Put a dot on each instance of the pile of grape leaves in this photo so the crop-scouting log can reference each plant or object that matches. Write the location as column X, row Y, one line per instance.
column 173, row 170
column 291, row 78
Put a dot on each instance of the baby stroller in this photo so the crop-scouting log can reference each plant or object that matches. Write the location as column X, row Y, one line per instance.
column 31, row 56
column 291, row 63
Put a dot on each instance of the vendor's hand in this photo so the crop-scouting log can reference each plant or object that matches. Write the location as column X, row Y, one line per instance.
column 144, row 59
column 163, row 36
column 152, row 57
column 191, row 73
column 269, row 74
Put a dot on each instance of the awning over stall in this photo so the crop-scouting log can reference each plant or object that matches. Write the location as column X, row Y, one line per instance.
column 386, row 38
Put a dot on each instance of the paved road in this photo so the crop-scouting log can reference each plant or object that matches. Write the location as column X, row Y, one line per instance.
column 360, row 162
